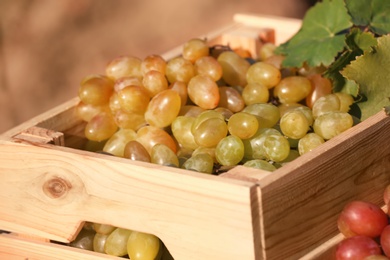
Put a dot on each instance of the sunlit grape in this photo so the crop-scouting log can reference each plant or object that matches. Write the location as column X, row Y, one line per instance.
column 230, row 150
column 115, row 145
column 124, row 66
column 264, row 74
column 116, row 242
column 149, row 136
column 243, row 125
column 96, row 90
column 260, row 164
column 203, row 91
column 210, row 131
column 309, row 142
column 292, row 89
column 231, row 99
column 86, row 111
column 181, row 130
column 325, row 104
column 255, row 93
column 267, row 114
column 179, row 69
column 195, row 49
column 134, row 99
column 136, row 151
column 163, row 155
column 200, row 162
column 234, row 68
column 208, row 66
column 294, row 124
column 153, row 62
column 143, row 246
column 154, row 81
column 181, row 89
column 100, row 127
column 276, row 147
column 332, row 124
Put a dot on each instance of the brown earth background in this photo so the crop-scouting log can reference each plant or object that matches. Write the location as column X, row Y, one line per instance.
column 48, row 46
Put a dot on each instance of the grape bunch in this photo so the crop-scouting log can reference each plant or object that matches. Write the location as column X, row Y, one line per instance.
column 210, row 108
column 120, row 242
column 366, row 229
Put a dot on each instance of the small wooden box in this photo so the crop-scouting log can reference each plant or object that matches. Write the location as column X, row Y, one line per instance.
column 49, row 187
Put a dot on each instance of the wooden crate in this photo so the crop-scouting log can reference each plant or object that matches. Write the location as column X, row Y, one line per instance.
column 49, row 187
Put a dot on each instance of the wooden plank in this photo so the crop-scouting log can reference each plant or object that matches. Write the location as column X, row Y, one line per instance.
column 50, row 191
column 17, row 248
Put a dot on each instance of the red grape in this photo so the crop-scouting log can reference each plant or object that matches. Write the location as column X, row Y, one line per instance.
column 362, row 218
column 385, row 240
column 357, row 247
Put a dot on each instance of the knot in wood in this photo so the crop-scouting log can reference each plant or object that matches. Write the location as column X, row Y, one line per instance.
column 56, row 187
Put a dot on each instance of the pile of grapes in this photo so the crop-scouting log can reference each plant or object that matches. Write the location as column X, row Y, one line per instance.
column 211, row 108
column 366, row 229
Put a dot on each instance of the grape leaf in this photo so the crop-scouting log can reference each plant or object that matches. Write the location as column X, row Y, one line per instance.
column 356, row 43
column 371, row 71
column 370, row 13
column 321, row 36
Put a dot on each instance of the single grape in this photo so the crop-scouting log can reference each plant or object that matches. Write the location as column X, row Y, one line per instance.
column 99, row 240
column 294, row 124
column 267, row 114
column 101, row 127
column 179, row 69
column 123, row 82
column 346, row 100
column 163, row 108
column 254, row 145
column 231, row 99
column 181, row 130
column 209, row 132
column 149, row 136
column 309, row 142
column 255, row 93
column 200, row 162
column 96, row 90
column 264, row 74
column 362, row 218
column 357, row 247
column 143, row 246
column 181, row 89
column 229, row 151
column 134, row 99
column 234, row 68
column 292, row 89
column 84, row 240
column 209, row 150
column 260, row 164
column 276, row 147
column 325, row 104
column 208, row 66
column 266, row 50
column 129, row 120
column 243, row 125
column 163, row 155
column 332, row 124
column 195, row 49
column 321, row 86
column 104, row 229
column 203, row 116
column 116, row 242
column 203, row 91
column 124, row 66
column 87, row 111
column 136, row 151
column 154, row 82
column 153, row 62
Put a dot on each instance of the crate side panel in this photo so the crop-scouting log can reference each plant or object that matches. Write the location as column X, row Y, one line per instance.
column 302, row 200
column 52, row 190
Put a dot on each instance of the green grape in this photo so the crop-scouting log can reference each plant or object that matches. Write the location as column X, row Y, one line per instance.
column 231, row 99
column 163, row 155
column 307, row 112
column 325, row 104
column 154, row 81
column 292, row 89
column 203, row 116
column 283, row 108
column 181, row 89
column 332, row 124
column 255, row 93
column 100, row 127
column 260, row 164
column 123, row 82
column 104, row 229
column 134, row 99
column 116, row 242
column 346, row 100
column 84, row 240
column 209, row 132
column 86, row 111
column 208, row 66
column 195, row 49
column 94, row 146
column 203, row 92
column 115, row 145
column 266, row 50
column 208, row 150
column 149, row 136
column 99, row 240
column 292, row 155
column 234, row 68
column 254, row 145
column 179, row 69
column 229, row 151
column 143, row 246
column 309, row 142
column 163, row 108
column 264, row 74
column 129, row 120
column 124, row 66
column 200, row 162
column 276, row 147
column 181, row 130
column 153, row 62
column 96, row 90
column 136, row 152
column 294, row 124
column 267, row 114
column 243, row 125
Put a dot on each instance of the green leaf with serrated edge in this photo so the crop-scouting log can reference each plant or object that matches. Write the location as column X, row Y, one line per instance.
column 321, row 36
column 370, row 13
column 356, row 42
column 372, row 72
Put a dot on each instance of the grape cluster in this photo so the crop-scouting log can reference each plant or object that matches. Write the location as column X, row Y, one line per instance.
column 120, row 242
column 366, row 229
column 210, row 108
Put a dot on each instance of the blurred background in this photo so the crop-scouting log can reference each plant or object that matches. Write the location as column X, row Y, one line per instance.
column 48, row 46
